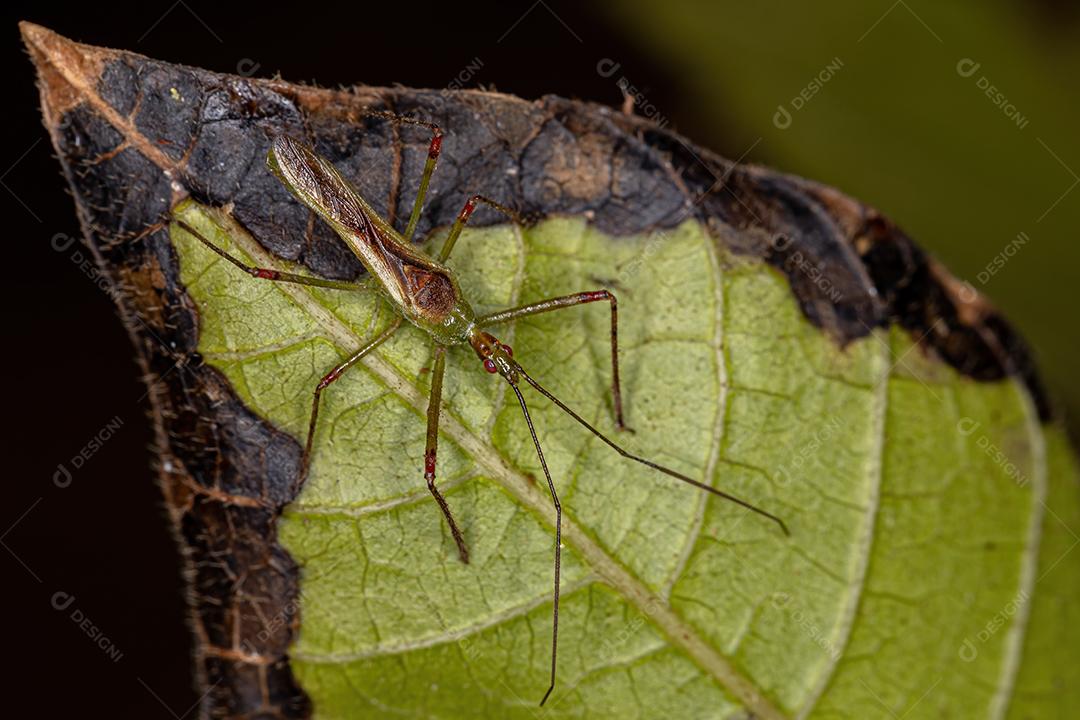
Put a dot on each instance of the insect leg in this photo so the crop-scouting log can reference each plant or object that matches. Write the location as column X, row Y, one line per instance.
column 434, row 406
column 332, row 377
column 429, row 167
column 565, row 301
column 268, row 273
column 558, row 537
column 463, row 217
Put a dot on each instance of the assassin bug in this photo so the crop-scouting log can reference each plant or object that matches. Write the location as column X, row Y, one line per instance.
column 426, row 292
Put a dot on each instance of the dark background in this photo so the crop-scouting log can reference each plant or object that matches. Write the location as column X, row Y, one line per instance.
column 957, row 176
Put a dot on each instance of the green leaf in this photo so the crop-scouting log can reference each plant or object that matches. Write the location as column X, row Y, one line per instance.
column 925, row 576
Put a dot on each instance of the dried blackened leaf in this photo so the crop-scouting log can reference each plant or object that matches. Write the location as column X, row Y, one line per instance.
column 786, row 341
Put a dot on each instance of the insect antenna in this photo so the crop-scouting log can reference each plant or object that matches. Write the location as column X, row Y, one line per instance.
column 520, row 372
column 649, row 463
column 558, row 536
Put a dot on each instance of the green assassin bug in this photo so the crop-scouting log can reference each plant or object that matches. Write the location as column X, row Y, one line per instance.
column 426, row 292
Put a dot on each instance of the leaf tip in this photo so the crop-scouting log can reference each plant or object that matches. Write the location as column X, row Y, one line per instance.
column 64, row 67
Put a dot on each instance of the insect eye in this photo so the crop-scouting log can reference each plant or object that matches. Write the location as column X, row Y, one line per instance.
column 508, row 350
column 489, row 365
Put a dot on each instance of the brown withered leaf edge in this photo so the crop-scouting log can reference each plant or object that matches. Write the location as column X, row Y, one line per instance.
column 130, row 152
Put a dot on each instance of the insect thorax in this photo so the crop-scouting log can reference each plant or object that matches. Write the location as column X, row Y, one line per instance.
column 435, row 304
